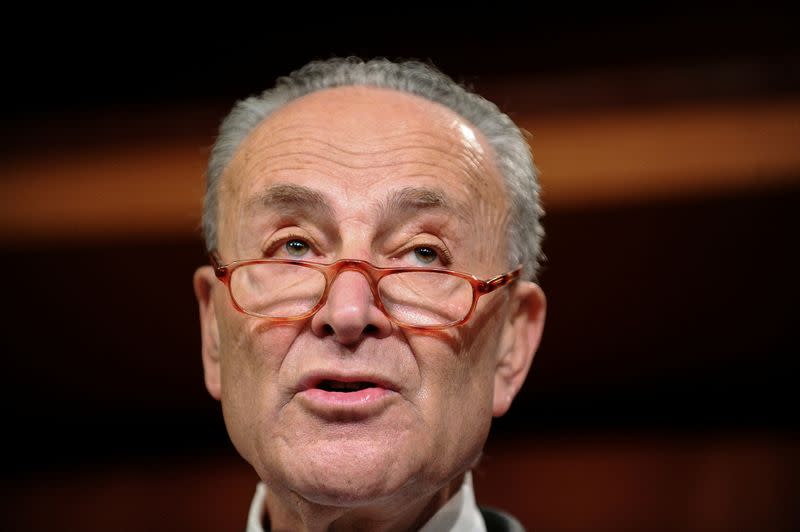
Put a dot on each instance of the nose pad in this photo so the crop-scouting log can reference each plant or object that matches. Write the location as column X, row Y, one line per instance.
column 350, row 312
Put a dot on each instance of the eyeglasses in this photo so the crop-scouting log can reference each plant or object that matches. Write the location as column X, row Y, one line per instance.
column 284, row 290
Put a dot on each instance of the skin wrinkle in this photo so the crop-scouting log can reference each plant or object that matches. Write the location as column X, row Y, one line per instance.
column 310, row 159
column 307, row 138
column 295, row 203
column 396, row 161
column 244, row 220
column 307, row 135
column 459, row 211
column 390, row 236
column 467, row 148
column 287, row 201
column 332, row 474
column 306, row 201
column 284, row 195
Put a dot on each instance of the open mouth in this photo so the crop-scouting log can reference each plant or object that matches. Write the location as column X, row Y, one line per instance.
column 345, row 387
column 337, row 395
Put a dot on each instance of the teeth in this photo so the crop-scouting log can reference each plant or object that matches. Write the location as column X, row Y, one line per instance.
column 338, row 386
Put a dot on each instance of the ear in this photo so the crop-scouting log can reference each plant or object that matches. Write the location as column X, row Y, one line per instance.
column 204, row 283
column 521, row 337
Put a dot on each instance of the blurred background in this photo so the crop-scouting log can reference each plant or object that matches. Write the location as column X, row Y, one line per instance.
column 668, row 144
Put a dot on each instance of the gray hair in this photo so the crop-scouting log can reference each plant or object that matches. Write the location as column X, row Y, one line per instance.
column 512, row 152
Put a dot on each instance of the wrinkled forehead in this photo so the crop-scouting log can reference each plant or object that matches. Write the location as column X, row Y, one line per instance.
column 365, row 164
column 369, row 116
column 368, row 129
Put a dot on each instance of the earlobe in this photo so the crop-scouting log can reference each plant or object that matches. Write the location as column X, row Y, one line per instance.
column 204, row 282
column 521, row 337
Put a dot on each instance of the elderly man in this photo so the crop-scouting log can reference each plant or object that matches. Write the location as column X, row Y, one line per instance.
column 374, row 233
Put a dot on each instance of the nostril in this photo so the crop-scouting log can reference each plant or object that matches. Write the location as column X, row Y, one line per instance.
column 370, row 329
column 328, row 329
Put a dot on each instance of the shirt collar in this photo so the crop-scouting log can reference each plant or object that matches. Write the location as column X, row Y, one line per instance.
column 460, row 513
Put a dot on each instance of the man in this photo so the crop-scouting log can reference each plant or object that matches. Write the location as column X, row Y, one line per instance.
column 374, row 232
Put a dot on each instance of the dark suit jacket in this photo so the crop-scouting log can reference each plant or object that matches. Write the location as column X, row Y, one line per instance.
column 497, row 521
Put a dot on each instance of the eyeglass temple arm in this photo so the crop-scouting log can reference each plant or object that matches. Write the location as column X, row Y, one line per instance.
column 501, row 280
column 216, row 263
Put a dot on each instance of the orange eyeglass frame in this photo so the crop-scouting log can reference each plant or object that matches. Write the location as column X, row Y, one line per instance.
column 373, row 274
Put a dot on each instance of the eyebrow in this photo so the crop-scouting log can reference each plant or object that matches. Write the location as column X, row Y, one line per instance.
column 292, row 198
column 415, row 199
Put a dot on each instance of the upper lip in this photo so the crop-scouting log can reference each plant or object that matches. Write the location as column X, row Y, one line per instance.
column 314, row 378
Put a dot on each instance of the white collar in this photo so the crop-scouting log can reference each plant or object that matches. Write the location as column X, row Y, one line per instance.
column 459, row 514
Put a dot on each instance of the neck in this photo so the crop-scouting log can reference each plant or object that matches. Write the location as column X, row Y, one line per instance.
column 290, row 511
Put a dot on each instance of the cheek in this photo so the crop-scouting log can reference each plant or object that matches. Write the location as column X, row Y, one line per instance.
column 251, row 356
column 457, row 376
column 476, row 361
column 251, row 348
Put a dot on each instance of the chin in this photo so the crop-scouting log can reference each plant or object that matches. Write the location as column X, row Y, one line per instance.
column 348, row 492
column 351, row 473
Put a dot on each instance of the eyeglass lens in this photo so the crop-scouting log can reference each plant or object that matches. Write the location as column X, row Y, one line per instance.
column 277, row 290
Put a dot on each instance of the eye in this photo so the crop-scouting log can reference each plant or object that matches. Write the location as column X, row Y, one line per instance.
column 425, row 255
column 296, row 247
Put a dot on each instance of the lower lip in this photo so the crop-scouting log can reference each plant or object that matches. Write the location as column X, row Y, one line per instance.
column 361, row 400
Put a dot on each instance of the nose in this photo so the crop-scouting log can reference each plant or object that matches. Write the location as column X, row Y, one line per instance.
column 350, row 313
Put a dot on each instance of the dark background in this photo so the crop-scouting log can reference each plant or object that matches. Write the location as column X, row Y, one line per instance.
column 663, row 396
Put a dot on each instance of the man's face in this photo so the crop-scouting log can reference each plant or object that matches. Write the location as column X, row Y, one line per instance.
column 387, row 177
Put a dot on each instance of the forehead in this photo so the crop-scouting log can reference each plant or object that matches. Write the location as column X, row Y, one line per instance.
column 369, row 118
column 361, row 144
column 368, row 129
